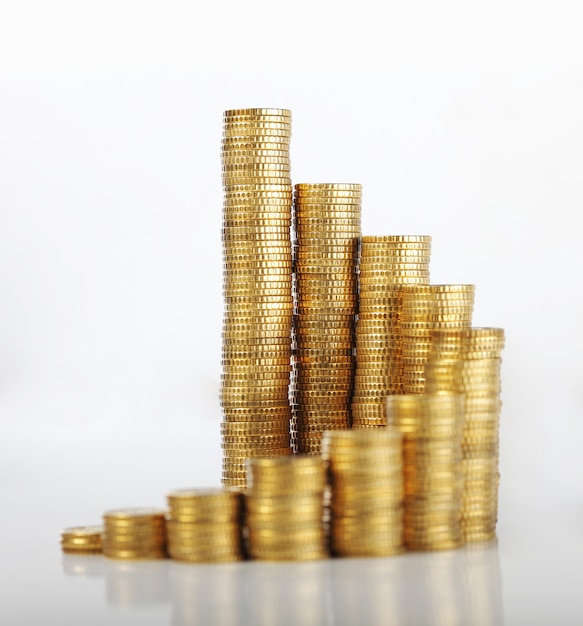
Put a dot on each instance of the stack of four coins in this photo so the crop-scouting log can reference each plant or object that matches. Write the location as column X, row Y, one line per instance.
column 257, row 289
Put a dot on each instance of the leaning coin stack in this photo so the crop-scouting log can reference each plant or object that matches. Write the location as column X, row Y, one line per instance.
column 432, row 427
column 365, row 470
column 82, row 539
column 424, row 308
column 136, row 533
column 386, row 264
column 327, row 230
column 205, row 525
column 257, row 288
column 284, row 506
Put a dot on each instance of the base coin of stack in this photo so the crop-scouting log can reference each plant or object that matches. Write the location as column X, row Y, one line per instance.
column 365, row 469
column 135, row 533
column 432, row 426
column 257, row 288
column 386, row 263
column 327, row 230
column 424, row 308
column 82, row 539
column 205, row 525
column 284, row 508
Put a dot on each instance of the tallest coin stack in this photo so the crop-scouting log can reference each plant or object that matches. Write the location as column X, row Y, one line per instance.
column 257, row 288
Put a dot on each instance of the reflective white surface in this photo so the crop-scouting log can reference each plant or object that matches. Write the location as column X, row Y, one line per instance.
column 531, row 575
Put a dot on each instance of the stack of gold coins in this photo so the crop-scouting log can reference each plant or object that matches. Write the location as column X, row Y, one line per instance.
column 366, row 476
column 284, row 506
column 424, row 308
column 135, row 533
column 327, row 230
column 432, row 427
column 257, row 289
column 468, row 361
column 386, row 263
column 481, row 384
column 205, row 525
column 82, row 539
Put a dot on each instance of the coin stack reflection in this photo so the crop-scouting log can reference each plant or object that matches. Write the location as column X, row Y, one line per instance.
column 424, row 308
column 469, row 361
column 386, row 263
column 205, row 525
column 257, row 289
column 327, row 230
column 432, row 427
column 135, row 533
column 82, row 539
column 284, row 508
column 366, row 475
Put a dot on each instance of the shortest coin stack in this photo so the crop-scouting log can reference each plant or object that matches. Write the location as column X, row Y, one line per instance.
column 135, row 533
column 82, row 540
column 204, row 525
column 285, row 508
column 366, row 477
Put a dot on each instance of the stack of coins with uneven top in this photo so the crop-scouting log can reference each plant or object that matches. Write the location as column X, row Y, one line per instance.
column 386, row 264
column 257, row 288
column 82, row 539
column 365, row 471
column 136, row 533
column 469, row 361
column 205, row 525
column 424, row 308
column 327, row 230
column 284, row 506
column 432, row 427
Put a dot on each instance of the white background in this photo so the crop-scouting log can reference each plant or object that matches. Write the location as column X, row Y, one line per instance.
column 462, row 120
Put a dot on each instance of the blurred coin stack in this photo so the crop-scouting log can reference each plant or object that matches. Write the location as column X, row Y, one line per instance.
column 257, row 288
column 423, row 309
column 82, row 539
column 365, row 471
column 327, row 230
column 432, row 427
column 136, row 533
column 469, row 361
column 205, row 525
column 284, row 506
column 386, row 264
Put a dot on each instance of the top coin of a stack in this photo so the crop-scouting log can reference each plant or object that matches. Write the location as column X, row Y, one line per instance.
column 324, row 187
column 134, row 515
column 256, row 112
column 396, row 239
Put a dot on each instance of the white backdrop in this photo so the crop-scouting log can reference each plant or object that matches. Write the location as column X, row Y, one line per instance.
column 462, row 123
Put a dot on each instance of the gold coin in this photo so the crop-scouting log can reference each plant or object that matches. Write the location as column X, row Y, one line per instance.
column 254, row 112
